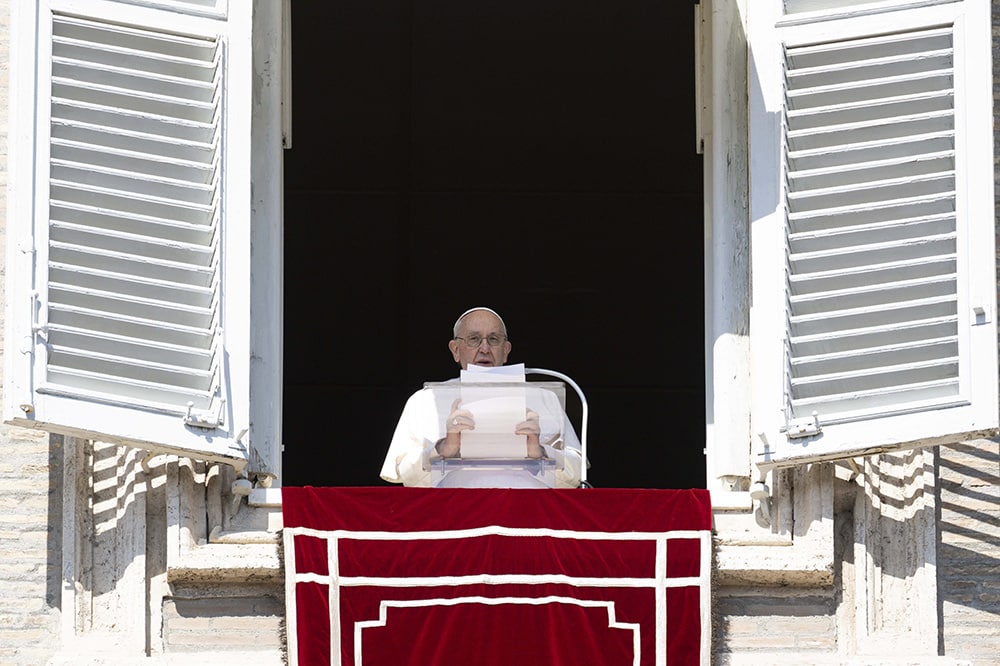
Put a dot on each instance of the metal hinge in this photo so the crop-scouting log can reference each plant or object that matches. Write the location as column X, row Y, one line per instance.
column 38, row 329
column 804, row 427
column 205, row 418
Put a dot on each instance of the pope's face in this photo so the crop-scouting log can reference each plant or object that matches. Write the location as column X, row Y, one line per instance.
column 483, row 325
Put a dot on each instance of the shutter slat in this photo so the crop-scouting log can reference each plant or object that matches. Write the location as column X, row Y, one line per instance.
column 867, row 357
column 130, row 348
column 130, row 42
column 860, row 92
column 876, row 296
column 916, row 396
column 131, row 286
column 798, row 6
column 124, row 264
column 153, row 166
column 851, row 259
column 805, row 346
column 870, row 134
column 115, row 220
column 862, row 153
column 139, row 184
column 887, row 315
column 124, row 243
column 120, row 367
column 849, row 369
column 132, row 125
column 174, row 148
column 836, row 250
column 860, row 63
column 866, row 111
column 108, row 388
column 886, row 231
column 123, row 202
column 129, row 326
column 875, row 378
column 155, row 107
column 177, row 312
column 116, row 308
column 148, row 85
column 870, row 193
column 872, row 79
column 848, row 51
column 113, row 60
column 910, row 207
column 857, row 170
column 872, row 274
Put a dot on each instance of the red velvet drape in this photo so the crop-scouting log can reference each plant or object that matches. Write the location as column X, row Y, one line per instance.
column 492, row 576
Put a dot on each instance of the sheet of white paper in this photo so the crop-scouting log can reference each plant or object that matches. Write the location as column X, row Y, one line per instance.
column 497, row 410
column 497, row 414
column 503, row 373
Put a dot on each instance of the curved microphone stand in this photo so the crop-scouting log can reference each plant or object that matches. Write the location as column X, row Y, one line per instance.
column 583, row 425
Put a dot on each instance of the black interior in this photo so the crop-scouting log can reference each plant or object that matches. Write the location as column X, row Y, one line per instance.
column 534, row 156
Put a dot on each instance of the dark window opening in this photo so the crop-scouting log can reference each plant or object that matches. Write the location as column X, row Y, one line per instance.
column 536, row 157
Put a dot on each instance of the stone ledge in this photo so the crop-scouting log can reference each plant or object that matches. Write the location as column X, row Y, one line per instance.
column 824, row 658
column 221, row 562
column 216, row 658
column 772, row 565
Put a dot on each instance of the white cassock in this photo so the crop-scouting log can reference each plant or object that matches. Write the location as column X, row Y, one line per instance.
column 421, row 426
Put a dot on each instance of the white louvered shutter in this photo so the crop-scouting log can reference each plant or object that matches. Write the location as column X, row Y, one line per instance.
column 129, row 317
column 878, row 232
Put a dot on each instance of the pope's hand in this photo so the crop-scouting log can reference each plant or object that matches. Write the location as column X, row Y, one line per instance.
column 459, row 419
column 532, row 430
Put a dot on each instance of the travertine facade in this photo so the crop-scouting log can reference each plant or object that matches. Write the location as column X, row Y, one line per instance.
column 107, row 556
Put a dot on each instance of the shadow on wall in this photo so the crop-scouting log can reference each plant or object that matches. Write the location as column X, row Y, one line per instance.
column 898, row 534
column 926, row 518
column 968, row 556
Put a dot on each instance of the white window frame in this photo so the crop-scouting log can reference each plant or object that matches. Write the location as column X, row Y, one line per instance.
column 721, row 60
column 251, row 431
column 978, row 413
column 725, row 64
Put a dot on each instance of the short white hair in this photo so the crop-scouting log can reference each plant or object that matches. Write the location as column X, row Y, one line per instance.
column 458, row 322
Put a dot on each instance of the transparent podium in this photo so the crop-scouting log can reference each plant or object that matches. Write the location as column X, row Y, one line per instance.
column 492, row 455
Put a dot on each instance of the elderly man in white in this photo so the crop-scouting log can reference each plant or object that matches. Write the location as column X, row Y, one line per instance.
column 423, row 436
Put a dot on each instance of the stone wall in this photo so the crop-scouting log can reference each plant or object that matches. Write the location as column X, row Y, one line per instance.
column 969, row 551
column 969, row 519
column 200, row 618
column 30, row 548
column 764, row 621
column 804, row 624
column 30, row 527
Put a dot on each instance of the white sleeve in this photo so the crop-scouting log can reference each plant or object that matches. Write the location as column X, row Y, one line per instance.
column 570, row 458
column 567, row 453
column 412, row 443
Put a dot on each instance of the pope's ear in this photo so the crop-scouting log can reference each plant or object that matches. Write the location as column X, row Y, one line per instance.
column 453, row 346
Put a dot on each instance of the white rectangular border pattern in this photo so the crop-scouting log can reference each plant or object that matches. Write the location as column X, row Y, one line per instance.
column 659, row 582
